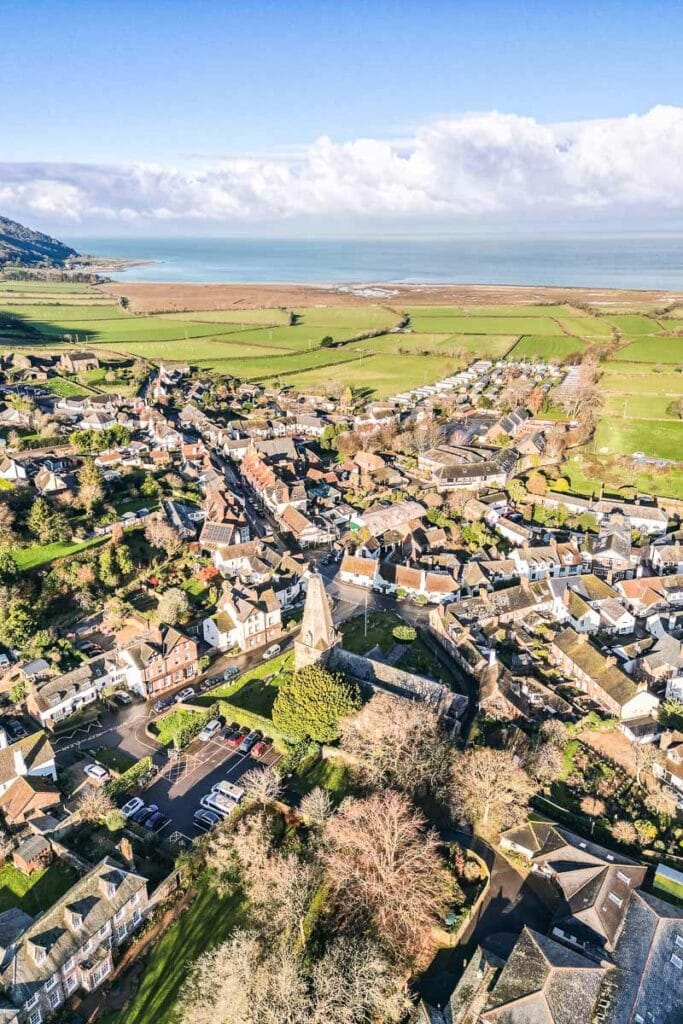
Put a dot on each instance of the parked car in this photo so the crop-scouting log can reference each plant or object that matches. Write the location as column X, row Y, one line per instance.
column 271, row 652
column 236, row 738
column 133, row 806
column 210, row 730
column 261, row 747
column 249, row 741
column 164, row 703
column 97, row 773
column 156, row 822
column 218, row 803
column 15, row 730
column 141, row 816
column 230, row 673
column 205, row 819
column 121, row 697
column 185, row 694
column 4, row 661
column 228, row 789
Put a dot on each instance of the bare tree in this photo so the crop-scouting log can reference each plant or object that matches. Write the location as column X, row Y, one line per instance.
column 384, row 867
column 644, row 757
column 545, row 763
column 400, row 743
column 489, row 788
column 316, row 807
column 174, row 606
column 354, row 982
column 160, row 535
column 243, row 981
column 95, row 805
column 261, row 785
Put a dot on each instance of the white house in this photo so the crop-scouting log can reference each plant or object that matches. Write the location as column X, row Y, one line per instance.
column 362, row 572
column 244, row 618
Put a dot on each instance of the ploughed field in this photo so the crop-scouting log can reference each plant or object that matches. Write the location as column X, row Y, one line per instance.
column 379, row 347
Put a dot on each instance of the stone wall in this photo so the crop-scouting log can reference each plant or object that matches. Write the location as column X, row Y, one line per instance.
column 377, row 675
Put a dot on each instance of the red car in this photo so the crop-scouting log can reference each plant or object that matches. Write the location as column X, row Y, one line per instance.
column 236, row 738
column 260, row 748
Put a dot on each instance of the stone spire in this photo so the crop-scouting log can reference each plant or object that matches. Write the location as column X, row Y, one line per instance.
column 317, row 636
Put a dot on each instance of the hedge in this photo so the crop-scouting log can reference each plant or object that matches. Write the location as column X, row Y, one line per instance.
column 252, row 720
column 132, row 775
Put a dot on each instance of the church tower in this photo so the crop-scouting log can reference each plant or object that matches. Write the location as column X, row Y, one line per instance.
column 317, row 636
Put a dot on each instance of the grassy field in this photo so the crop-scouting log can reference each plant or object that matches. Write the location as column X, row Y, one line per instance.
column 65, row 388
column 588, row 473
column 644, row 406
column 259, row 317
column 486, row 324
column 381, row 375
column 634, row 325
column 663, row 440
column 651, row 350
column 37, row 892
column 535, row 346
column 209, row 920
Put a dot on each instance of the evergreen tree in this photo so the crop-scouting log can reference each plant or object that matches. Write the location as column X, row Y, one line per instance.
column 313, row 702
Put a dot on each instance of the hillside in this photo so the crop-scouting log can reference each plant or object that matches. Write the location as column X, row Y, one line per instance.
column 30, row 248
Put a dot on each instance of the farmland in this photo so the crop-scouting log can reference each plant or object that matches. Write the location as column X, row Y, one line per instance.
column 383, row 347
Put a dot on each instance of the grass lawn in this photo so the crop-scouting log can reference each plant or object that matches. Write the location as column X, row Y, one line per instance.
column 166, row 728
column 668, row 886
column 65, row 388
column 380, row 375
column 255, row 690
column 41, row 554
column 209, row 920
column 258, row 317
column 331, row 774
column 380, row 625
column 36, row 892
column 114, row 758
column 640, row 379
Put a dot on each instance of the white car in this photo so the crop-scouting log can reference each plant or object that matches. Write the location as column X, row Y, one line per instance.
column 97, row 773
column 229, row 790
column 209, row 730
column 184, row 694
column 122, row 697
column 271, row 652
column 132, row 807
column 218, row 803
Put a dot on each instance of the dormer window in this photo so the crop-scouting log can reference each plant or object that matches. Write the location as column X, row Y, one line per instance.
column 75, row 919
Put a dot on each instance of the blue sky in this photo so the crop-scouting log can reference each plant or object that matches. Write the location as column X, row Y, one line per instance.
column 187, row 85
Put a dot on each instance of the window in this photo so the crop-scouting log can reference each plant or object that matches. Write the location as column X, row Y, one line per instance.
column 36, row 1017
column 137, row 917
column 676, row 961
column 134, row 899
column 55, row 1000
column 679, row 941
column 69, row 964
column 119, row 913
column 70, row 984
column 615, row 899
column 31, row 1002
column 51, row 982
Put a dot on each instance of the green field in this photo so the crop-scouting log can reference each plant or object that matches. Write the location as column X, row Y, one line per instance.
column 651, row 350
column 486, row 324
column 656, row 438
column 381, row 375
column 534, row 346
column 263, row 317
column 639, row 406
column 65, row 388
column 634, row 325
column 41, row 554
column 587, row 474
column 46, row 314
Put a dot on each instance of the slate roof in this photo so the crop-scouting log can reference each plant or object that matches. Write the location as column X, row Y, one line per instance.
column 36, row 750
column 544, row 982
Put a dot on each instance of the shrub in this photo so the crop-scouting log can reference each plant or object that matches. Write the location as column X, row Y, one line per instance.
column 313, row 702
column 404, row 633
column 647, row 832
column 130, row 777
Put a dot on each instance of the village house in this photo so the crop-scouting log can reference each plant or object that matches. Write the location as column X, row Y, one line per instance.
column 27, row 775
column 78, row 362
column 244, row 618
column 56, row 697
column 72, row 945
column 362, row 572
column 600, row 678
column 163, row 658
column 12, row 471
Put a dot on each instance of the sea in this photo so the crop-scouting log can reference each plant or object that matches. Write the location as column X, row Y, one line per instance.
column 649, row 261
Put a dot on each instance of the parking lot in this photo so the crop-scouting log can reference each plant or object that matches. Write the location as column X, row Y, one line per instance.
column 183, row 781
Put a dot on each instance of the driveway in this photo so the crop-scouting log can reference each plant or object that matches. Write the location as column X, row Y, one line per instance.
column 512, row 902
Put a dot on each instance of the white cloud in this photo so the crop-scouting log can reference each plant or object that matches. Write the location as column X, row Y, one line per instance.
column 472, row 165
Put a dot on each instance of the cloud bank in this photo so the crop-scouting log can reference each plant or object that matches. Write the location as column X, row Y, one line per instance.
column 473, row 165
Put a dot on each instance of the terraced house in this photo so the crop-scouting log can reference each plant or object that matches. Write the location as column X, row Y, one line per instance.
column 162, row 659
column 71, row 946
